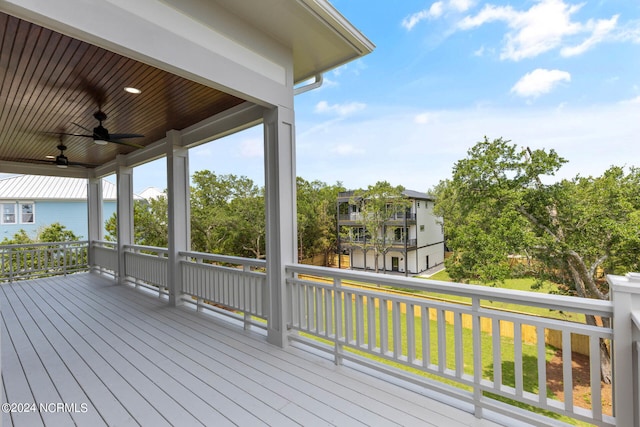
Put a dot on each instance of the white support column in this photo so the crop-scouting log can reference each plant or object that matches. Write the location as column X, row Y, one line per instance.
column 125, row 215
column 280, row 196
column 625, row 295
column 179, row 212
column 95, row 216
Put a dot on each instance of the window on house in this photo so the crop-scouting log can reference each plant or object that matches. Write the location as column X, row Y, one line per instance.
column 422, row 227
column 27, row 213
column 9, row 213
column 418, row 204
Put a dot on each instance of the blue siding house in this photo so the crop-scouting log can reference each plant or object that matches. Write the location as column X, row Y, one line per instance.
column 32, row 202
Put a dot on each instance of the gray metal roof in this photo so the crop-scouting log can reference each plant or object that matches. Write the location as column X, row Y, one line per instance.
column 409, row 193
column 40, row 187
column 417, row 195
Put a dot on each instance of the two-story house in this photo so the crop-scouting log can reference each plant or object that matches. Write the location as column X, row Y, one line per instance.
column 413, row 237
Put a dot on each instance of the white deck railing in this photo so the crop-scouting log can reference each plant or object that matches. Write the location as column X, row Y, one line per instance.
column 105, row 256
column 447, row 340
column 42, row 259
column 227, row 282
column 495, row 360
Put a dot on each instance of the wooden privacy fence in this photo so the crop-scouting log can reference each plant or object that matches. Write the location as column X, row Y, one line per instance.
column 528, row 333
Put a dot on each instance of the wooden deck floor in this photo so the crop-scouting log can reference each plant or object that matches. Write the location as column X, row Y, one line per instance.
column 115, row 356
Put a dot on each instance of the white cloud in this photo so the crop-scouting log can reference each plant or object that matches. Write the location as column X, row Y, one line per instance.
column 601, row 29
column 547, row 25
column 539, row 81
column 414, row 19
column 436, row 10
column 323, row 107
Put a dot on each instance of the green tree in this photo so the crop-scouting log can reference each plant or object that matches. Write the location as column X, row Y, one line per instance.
column 20, row 238
column 497, row 204
column 316, row 207
column 150, row 223
column 377, row 203
column 227, row 215
column 56, row 232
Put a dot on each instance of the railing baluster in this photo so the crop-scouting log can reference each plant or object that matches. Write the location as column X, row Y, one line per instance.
column 371, row 320
column 567, row 371
column 442, row 341
column 397, row 330
column 497, row 354
column 596, row 389
column 425, row 322
column 411, row 333
column 384, row 326
column 459, row 361
column 542, row 366
column 517, row 356
column 476, row 331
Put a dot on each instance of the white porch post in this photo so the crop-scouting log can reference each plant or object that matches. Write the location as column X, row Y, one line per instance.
column 625, row 295
column 95, row 216
column 280, row 195
column 125, row 215
column 178, row 211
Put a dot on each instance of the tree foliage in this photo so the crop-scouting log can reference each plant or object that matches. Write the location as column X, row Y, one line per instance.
column 316, row 207
column 55, row 232
column 227, row 215
column 497, row 204
column 150, row 223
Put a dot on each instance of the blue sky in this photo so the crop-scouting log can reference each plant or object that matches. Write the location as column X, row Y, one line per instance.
column 559, row 74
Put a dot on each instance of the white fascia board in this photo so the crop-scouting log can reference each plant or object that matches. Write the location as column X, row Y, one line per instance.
column 155, row 33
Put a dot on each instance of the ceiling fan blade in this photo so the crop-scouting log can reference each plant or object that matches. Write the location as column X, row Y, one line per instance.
column 82, row 127
column 130, row 144
column 125, row 135
column 36, row 161
column 84, row 165
column 69, row 134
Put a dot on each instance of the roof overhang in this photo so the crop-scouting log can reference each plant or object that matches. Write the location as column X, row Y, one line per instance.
column 62, row 61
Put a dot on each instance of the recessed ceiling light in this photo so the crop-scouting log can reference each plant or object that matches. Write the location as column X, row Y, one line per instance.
column 50, row 157
column 132, row 90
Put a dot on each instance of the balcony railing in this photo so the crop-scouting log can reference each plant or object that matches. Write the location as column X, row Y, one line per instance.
column 231, row 286
column 42, row 259
column 432, row 338
column 494, row 360
column 358, row 217
column 391, row 242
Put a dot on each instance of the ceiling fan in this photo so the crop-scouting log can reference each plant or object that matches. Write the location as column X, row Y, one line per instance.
column 101, row 135
column 61, row 160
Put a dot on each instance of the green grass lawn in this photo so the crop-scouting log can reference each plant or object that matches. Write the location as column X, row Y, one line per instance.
column 520, row 284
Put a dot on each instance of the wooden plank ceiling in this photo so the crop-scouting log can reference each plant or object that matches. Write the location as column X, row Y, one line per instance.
column 49, row 81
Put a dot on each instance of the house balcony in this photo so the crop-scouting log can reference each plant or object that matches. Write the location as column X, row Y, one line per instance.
column 82, row 348
column 397, row 218
column 395, row 243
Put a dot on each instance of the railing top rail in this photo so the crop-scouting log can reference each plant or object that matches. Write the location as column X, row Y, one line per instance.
column 225, row 258
column 103, row 242
column 557, row 302
column 42, row 244
column 147, row 248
